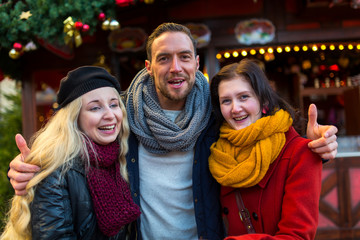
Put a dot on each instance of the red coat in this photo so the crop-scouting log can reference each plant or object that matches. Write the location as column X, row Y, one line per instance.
column 285, row 204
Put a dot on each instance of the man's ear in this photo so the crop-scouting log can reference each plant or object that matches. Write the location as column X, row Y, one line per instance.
column 148, row 67
column 197, row 58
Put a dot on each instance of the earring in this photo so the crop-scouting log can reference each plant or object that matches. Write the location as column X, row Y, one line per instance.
column 265, row 109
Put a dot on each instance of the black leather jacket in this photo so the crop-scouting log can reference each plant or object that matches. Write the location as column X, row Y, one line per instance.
column 62, row 208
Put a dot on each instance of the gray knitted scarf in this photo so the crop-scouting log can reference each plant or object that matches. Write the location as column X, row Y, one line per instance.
column 153, row 128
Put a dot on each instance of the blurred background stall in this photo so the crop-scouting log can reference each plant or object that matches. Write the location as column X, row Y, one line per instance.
column 309, row 48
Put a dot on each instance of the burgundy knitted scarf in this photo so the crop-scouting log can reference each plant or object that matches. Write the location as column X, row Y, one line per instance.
column 110, row 193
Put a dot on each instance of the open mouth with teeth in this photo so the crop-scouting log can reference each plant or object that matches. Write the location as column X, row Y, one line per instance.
column 176, row 83
column 107, row 128
column 240, row 118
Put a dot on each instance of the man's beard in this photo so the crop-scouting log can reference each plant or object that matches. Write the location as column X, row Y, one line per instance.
column 175, row 97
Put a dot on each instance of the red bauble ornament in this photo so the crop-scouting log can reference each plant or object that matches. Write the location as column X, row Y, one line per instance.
column 78, row 25
column 85, row 28
column 124, row 3
column 17, row 46
column 102, row 16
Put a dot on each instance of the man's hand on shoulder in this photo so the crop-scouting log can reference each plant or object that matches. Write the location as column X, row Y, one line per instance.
column 21, row 173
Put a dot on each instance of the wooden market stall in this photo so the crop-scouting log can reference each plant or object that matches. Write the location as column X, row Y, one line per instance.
column 297, row 25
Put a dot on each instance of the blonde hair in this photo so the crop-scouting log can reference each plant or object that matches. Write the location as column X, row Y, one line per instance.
column 56, row 145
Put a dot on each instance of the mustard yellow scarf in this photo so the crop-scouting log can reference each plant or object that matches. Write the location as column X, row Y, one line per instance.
column 241, row 158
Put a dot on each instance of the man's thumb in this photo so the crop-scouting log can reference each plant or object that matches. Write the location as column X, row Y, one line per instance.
column 21, row 144
column 312, row 115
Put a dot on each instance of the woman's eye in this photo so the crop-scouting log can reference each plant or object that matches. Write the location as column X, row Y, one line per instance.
column 94, row 108
column 244, row 97
column 225, row 101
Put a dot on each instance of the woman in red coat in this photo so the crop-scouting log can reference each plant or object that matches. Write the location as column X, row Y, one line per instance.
column 270, row 179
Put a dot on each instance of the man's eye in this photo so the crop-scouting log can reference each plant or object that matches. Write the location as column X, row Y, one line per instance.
column 162, row 59
column 185, row 57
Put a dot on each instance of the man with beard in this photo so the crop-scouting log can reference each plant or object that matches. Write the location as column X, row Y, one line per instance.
column 169, row 110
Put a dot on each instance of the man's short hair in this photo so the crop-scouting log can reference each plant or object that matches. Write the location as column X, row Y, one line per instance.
column 168, row 27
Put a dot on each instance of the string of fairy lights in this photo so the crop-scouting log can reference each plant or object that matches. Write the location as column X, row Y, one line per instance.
column 270, row 50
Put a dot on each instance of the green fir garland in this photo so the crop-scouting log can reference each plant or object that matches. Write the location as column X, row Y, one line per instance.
column 47, row 17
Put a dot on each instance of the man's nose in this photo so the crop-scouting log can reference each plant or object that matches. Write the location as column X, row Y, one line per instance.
column 175, row 65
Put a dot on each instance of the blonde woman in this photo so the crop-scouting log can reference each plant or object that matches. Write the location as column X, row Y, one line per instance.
column 81, row 191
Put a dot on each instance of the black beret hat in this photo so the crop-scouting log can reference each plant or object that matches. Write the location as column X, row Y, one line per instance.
column 82, row 80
